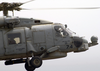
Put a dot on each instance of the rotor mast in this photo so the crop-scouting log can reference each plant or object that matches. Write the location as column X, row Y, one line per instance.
column 5, row 7
column 5, row 10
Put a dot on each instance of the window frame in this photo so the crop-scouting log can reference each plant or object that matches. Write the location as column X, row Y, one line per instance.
column 19, row 36
column 63, row 30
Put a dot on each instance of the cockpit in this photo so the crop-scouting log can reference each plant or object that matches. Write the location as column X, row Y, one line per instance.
column 70, row 39
column 71, row 33
column 63, row 31
column 60, row 31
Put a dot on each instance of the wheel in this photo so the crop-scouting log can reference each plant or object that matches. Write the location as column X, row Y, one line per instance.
column 29, row 68
column 36, row 62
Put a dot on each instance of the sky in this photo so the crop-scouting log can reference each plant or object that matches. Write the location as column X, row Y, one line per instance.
column 85, row 23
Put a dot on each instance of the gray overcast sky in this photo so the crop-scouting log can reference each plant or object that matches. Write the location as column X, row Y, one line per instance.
column 83, row 22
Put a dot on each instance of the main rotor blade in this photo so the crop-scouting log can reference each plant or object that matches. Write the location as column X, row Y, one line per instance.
column 67, row 8
column 18, row 9
column 28, row 1
column 24, row 9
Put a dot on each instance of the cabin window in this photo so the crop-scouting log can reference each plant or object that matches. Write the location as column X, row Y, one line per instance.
column 14, row 38
column 60, row 31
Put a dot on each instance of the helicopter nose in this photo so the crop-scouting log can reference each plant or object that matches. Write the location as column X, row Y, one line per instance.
column 77, row 41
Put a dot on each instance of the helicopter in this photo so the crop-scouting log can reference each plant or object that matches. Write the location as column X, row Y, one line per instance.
column 30, row 41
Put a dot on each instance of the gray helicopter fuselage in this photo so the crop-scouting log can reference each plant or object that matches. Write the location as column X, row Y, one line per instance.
column 29, row 41
column 37, row 36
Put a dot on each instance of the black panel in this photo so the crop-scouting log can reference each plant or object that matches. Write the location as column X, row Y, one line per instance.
column 77, row 41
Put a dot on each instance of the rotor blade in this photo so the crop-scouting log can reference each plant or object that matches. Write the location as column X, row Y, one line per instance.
column 18, row 9
column 28, row 1
column 67, row 8
column 24, row 9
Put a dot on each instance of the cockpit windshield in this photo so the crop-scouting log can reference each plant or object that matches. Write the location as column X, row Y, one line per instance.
column 60, row 31
column 71, row 33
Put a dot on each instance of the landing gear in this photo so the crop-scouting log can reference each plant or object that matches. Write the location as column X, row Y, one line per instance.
column 34, row 63
column 29, row 68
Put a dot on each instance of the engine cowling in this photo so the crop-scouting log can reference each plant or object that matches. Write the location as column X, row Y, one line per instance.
column 9, row 22
column 2, row 21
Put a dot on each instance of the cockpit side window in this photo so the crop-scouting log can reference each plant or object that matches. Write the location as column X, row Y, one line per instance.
column 60, row 31
column 14, row 38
